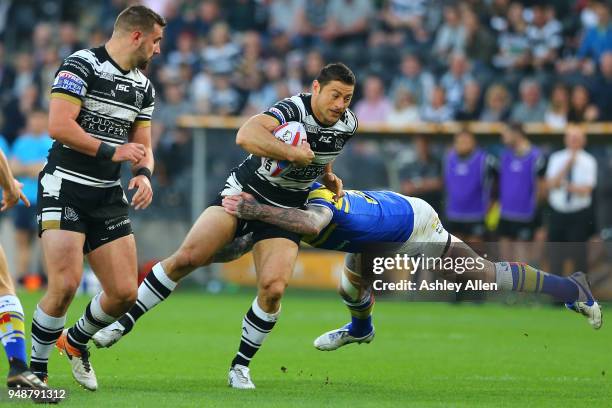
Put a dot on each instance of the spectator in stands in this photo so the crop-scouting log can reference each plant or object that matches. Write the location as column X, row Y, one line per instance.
column 284, row 17
column 221, row 54
column 450, row 37
column 544, row 34
column 521, row 185
column 200, row 91
column 68, row 40
column 208, row 14
column 471, row 108
column 405, row 111
column 513, row 43
column 312, row 20
column 26, row 73
column 173, row 144
column 295, row 79
column 42, row 39
column 405, row 19
column 246, row 15
column 581, row 108
column 185, row 53
column 422, row 176
column 468, row 171
column 414, row 78
column 598, row 39
column 27, row 158
column 312, row 65
column 46, row 74
column 7, row 77
column 272, row 89
column 571, row 176
column 497, row 15
column 18, row 109
column 479, row 43
column 438, row 110
column 247, row 75
column 348, row 22
column 531, row 108
column 497, row 104
column 601, row 87
column 455, row 79
column 224, row 99
column 557, row 113
column 374, row 107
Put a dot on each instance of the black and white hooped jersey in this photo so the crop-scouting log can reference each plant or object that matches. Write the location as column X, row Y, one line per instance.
column 291, row 189
column 113, row 101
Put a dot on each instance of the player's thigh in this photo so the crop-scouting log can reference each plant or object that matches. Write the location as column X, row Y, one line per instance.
column 6, row 283
column 212, row 231
column 429, row 237
column 274, row 261
column 63, row 256
column 116, row 266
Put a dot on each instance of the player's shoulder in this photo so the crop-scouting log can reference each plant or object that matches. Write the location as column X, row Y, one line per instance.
column 301, row 101
column 319, row 192
column 321, row 195
column 86, row 55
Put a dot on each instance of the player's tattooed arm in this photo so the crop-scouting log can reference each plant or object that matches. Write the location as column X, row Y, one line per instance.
column 304, row 222
column 255, row 136
column 235, row 249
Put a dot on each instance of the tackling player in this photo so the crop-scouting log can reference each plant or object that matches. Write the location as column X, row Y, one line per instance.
column 363, row 218
column 100, row 116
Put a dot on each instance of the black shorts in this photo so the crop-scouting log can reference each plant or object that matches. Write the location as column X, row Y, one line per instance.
column 520, row 230
column 261, row 230
column 466, row 228
column 99, row 213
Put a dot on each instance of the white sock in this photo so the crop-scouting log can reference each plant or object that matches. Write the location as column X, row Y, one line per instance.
column 45, row 332
column 503, row 275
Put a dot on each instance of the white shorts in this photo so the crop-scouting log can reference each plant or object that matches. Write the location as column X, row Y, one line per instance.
column 428, row 235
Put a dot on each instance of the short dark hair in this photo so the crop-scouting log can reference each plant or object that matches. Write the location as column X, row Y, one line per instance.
column 138, row 18
column 336, row 71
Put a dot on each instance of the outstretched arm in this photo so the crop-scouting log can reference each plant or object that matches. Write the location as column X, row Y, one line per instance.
column 304, row 222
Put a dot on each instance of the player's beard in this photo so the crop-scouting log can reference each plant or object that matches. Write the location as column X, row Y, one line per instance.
column 142, row 62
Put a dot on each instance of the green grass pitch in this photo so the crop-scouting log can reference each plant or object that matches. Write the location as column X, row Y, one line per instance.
column 424, row 355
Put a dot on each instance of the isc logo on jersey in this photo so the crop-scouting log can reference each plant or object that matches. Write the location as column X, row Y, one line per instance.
column 292, row 133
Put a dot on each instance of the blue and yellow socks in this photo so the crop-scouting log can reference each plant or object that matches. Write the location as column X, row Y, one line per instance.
column 12, row 330
column 521, row 277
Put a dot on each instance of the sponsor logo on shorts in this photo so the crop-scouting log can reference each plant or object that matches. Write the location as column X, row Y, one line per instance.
column 118, row 224
column 70, row 214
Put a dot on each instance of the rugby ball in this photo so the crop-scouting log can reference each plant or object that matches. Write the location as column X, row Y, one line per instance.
column 292, row 133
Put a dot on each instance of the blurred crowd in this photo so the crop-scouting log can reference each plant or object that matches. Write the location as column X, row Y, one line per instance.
column 415, row 60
